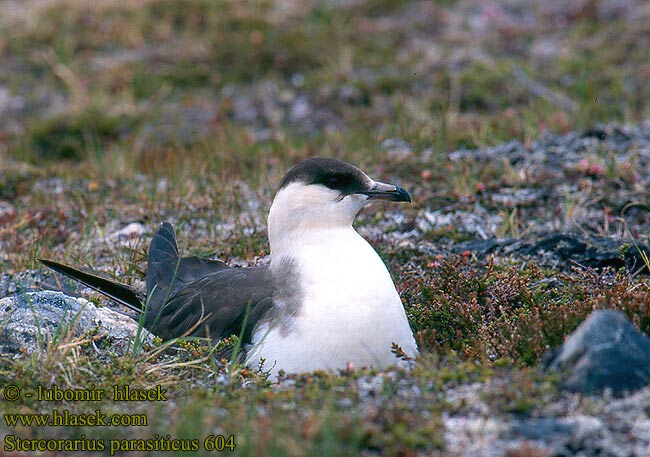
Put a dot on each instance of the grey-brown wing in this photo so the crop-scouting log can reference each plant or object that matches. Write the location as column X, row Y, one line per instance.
column 167, row 273
column 225, row 299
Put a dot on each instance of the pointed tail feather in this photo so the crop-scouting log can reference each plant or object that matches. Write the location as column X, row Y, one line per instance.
column 163, row 245
column 162, row 251
column 121, row 293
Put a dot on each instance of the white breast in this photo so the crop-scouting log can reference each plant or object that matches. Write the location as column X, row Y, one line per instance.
column 350, row 312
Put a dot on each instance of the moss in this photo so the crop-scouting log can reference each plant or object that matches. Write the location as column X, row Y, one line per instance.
column 72, row 135
column 485, row 86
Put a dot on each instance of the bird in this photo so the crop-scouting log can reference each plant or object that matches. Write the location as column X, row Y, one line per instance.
column 325, row 301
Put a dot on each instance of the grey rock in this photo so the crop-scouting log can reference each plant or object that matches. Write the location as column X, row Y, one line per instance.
column 28, row 321
column 479, row 222
column 300, row 109
column 178, row 122
column 397, row 147
column 561, row 250
column 570, row 424
column 297, row 80
column 605, row 352
column 11, row 108
column 370, row 386
column 20, row 282
column 513, row 198
column 540, row 428
column 592, row 251
column 7, row 211
column 9, row 102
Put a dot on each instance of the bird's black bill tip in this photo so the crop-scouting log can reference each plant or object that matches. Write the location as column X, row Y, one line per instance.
column 401, row 195
column 388, row 192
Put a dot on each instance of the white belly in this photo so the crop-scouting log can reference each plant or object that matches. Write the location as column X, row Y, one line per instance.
column 350, row 313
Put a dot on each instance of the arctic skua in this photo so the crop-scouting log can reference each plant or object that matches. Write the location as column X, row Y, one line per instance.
column 325, row 301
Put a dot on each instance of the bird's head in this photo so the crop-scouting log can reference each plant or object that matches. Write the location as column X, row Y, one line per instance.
column 320, row 193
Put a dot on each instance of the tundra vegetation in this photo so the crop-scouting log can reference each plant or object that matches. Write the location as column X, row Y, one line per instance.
column 113, row 112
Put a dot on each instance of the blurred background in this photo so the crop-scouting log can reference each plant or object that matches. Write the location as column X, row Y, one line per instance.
column 81, row 78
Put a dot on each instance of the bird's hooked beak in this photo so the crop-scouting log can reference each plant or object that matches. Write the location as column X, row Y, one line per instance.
column 383, row 191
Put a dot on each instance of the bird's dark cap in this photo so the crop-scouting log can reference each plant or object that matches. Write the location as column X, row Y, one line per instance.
column 342, row 177
column 332, row 173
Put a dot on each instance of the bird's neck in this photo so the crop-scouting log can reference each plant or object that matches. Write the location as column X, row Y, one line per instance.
column 312, row 240
column 299, row 217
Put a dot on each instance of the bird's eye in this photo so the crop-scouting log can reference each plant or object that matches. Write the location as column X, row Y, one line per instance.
column 338, row 181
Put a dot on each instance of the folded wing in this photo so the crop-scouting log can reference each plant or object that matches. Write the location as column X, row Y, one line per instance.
column 188, row 295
